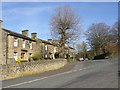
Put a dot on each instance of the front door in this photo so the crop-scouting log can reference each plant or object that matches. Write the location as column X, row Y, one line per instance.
column 23, row 56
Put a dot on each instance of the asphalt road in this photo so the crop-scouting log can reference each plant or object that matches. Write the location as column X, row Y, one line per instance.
column 86, row 74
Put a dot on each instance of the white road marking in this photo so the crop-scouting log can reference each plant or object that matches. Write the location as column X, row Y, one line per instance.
column 48, row 77
column 37, row 79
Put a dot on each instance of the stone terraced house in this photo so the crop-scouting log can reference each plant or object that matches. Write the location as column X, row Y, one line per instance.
column 20, row 46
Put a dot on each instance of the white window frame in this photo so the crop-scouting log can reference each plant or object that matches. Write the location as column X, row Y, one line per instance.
column 46, row 55
column 31, row 47
column 30, row 54
column 46, row 47
column 15, row 42
column 54, row 49
column 15, row 55
column 24, row 43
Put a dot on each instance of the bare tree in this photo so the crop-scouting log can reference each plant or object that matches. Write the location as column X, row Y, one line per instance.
column 114, row 33
column 82, row 49
column 65, row 26
column 78, row 48
column 98, row 37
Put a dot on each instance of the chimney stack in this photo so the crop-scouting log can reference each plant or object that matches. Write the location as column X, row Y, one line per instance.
column 25, row 32
column 50, row 40
column 1, row 24
column 33, row 35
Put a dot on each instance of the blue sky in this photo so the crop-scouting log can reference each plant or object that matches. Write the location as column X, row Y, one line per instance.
column 35, row 16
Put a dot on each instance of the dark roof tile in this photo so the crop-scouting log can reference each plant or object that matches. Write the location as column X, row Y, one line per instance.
column 17, row 34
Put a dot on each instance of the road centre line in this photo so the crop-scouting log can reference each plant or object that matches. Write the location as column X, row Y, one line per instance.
column 36, row 79
column 42, row 78
column 47, row 77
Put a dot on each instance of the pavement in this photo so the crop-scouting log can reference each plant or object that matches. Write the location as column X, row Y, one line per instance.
column 85, row 74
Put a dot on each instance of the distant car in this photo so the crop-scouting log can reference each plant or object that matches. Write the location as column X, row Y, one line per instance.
column 86, row 59
column 106, row 57
column 81, row 59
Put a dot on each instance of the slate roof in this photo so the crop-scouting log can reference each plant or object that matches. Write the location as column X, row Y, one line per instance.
column 28, row 38
column 18, row 35
column 43, row 41
column 71, row 48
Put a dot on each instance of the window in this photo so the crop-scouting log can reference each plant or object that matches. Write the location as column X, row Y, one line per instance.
column 15, row 55
column 46, row 56
column 24, row 42
column 30, row 45
column 54, row 49
column 46, row 47
column 66, row 45
column 15, row 42
column 30, row 54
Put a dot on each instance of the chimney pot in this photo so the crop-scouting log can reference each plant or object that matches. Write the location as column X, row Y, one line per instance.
column 25, row 32
column 33, row 35
column 50, row 40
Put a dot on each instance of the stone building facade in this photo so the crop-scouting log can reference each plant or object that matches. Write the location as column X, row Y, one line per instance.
column 16, row 46
column 20, row 46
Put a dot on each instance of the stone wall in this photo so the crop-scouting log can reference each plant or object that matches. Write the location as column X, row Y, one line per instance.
column 4, row 50
column 27, row 68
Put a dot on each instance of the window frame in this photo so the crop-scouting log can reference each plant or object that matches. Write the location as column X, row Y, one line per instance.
column 30, row 45
column 46, row 56
column 46, row 47
column 15, row 55
column 30, row 54
column 24, row 43
column 15, row 42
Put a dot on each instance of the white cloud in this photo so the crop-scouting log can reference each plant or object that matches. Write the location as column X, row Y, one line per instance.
column 27, row 11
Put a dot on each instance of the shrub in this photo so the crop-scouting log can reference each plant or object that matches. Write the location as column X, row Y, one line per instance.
column 71, row 57
column 67, row 56
column 24, row 61
column 37, row 57
column 30, row 59
column 101, row 56
column 56, row 55
column 18, row 60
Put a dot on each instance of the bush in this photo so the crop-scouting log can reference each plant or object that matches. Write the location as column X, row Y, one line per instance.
column 71, row 57
column 36, row 57
column 70, row 60
column 67, row 56
column 113, row 55
column 19, row 60
column 56, row 55
column 24, row 61
column 30, row 59
column 101, row 56
column 90, row 57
